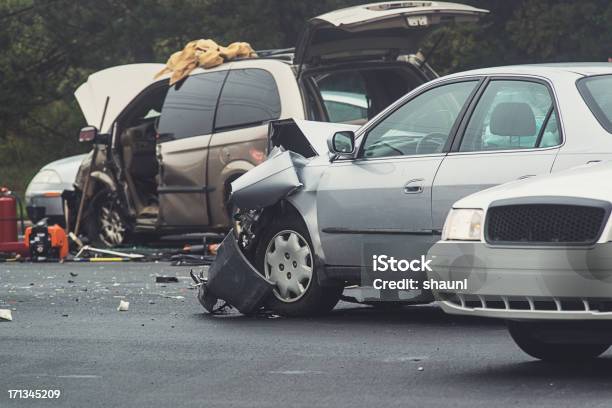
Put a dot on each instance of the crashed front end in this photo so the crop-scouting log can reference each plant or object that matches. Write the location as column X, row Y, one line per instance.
column 286, row 181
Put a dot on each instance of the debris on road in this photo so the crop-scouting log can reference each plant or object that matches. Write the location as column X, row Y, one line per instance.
column 5, row 314
column 114, row 255
column 233, row 279
column 166, row 279
column 123, row 306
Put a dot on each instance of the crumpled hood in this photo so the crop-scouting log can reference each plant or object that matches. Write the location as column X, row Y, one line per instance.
column 591, row 181
column 120, row 84
column 305, row 137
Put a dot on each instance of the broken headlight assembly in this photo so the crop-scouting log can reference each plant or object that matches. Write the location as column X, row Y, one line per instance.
column 463, row 224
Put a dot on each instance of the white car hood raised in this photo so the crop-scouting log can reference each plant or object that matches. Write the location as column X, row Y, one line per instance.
column 120, row 84
column 589, row 181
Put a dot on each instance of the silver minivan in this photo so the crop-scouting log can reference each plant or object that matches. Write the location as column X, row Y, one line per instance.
column 171, row 153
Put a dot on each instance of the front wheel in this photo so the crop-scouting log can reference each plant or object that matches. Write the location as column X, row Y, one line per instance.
column 105, row 224
column 523, row 335
column 285, row 256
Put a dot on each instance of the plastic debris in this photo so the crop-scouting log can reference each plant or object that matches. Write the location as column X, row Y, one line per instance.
column 123, row 306
column 166, row 279
column 5, row 314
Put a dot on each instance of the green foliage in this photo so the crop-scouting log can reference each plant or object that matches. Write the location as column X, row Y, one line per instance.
column 49, row 47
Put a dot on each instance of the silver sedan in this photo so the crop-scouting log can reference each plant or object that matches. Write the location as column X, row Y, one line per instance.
column 315, row 213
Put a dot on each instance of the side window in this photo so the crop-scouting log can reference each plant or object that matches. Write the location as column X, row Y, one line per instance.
column 422, row 125
column 189, row 107
column 512, row 114
column 249, row 97
column 344, row 96
column 597, row 93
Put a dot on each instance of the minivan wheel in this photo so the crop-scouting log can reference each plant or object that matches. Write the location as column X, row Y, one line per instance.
column 285, row 256
column 105, row 225
column 523, row 335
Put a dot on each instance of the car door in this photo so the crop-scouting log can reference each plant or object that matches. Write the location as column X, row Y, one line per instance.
column 383, row 196
column 248, row 101
column 510, row 132
column 184, row 133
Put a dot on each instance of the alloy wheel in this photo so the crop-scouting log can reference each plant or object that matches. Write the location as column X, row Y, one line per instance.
column 112, row 227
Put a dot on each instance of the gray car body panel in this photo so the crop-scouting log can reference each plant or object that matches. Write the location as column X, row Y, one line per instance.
column 349, row 203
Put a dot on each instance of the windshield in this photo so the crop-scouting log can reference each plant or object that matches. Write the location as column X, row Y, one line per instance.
column 597, row 93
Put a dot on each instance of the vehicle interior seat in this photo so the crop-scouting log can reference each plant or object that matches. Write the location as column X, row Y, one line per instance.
column 141, row 167
column 513, row 119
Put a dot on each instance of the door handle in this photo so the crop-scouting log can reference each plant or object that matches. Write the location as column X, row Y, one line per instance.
column 593, row 161
column 526, row 176
column 414, row 186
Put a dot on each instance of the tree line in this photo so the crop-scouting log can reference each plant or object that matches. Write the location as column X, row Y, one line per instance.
column 49, row 47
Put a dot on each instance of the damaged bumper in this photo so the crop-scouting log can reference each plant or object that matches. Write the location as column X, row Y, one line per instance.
column 525, row 283
column 233, row 279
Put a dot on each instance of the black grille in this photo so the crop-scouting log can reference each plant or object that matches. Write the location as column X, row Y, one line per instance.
column 545, row 224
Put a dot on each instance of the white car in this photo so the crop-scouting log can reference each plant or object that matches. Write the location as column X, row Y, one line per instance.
column 537, row 252
column 46, row 187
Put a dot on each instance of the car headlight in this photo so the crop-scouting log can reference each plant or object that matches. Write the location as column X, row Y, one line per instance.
column 463, row 224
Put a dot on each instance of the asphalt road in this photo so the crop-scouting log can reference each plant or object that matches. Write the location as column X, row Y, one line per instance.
column 165, row 352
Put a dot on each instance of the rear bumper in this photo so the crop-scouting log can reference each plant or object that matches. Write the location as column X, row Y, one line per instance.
column 53, row 205
column 525, row 283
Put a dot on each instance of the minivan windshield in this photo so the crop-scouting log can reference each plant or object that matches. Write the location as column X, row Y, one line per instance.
column 597, row 93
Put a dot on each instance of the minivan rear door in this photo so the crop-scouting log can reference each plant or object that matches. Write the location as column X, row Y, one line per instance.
column 376, row 30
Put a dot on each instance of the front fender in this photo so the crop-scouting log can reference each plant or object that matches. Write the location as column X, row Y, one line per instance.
column 268, row 183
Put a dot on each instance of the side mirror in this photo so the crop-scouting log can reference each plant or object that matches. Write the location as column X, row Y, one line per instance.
column 342, row 143
column 88, row 134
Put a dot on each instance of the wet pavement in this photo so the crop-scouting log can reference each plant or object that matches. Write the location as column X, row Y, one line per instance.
column 164, row 351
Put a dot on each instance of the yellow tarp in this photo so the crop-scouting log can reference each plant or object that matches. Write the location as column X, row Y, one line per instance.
column 204, row 54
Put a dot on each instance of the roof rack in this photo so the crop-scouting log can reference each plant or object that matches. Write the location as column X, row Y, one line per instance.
column 278, row 53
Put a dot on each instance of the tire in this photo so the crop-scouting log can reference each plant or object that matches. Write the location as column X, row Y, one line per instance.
column 523, row 335
column 105, row 225
column 298, row 292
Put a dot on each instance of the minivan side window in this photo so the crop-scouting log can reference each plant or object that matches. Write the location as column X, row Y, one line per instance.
column 189, row 108
column 420, row 126
column 344, row 96
column 249, row 97
column 512, row 114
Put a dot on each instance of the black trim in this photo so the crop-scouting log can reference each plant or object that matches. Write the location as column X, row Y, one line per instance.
column 545, row 125
column 552, row 200
column 184, row 190
column 521, row 78
column 591, row 103
column 348, row 274
column 243, row 125
column 340, row 230
column 371, row 125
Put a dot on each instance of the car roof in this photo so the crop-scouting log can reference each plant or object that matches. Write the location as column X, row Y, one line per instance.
column 575, row 68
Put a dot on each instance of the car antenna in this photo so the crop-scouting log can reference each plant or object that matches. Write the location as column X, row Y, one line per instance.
column 91, row 166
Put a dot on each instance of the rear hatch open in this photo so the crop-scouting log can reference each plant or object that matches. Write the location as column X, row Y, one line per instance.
column 377, row 30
